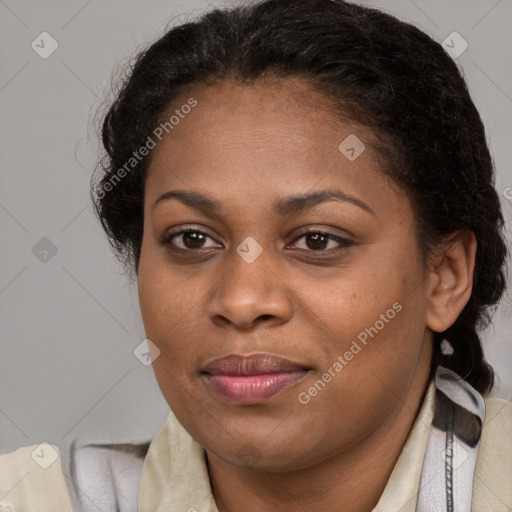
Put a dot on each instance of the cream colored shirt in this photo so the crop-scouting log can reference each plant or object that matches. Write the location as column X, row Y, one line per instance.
column 175, row 477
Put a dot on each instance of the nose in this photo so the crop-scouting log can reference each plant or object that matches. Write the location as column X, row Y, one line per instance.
column 251, row 294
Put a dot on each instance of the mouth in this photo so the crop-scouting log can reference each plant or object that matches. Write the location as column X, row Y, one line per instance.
column 252, row 379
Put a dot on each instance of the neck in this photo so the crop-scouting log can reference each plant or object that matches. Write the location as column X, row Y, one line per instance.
column 352, row 480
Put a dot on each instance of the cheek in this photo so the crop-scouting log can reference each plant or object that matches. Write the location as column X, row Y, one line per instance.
column 164, row 314
column 161, row 302
column 162, row 296
column 352, row 298
column 374, row 310
column 173, row 310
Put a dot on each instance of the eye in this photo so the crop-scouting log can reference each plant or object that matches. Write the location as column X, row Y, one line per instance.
column 191, row 239
column 317, row 241
column 187, row 239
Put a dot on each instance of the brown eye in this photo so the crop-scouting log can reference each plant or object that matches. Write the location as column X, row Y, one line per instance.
column 187, row 239
column 319, row 241
column 316, row 240
column 193, row 239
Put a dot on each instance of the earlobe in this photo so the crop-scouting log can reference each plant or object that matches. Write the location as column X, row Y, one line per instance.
column 451, row 279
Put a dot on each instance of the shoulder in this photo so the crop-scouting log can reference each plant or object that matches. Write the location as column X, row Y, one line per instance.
column 493, row 472
column 74, row 478
column 497, row 431
column 33, row 474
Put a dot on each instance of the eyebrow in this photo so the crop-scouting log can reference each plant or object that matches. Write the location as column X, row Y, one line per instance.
column 286, row 206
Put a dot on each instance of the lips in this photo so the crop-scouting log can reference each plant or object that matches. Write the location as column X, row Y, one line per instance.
column 252, row 379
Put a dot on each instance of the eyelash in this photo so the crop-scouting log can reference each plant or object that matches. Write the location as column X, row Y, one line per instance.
column 344, row 242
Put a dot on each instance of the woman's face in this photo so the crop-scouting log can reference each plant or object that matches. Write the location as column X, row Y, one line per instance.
column 327, row 292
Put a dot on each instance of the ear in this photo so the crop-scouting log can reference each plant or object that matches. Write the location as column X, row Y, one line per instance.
column 450, row 279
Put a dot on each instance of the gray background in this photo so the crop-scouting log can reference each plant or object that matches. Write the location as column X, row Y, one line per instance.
column 70, row 320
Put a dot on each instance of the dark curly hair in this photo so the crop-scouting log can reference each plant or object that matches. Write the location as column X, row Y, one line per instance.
column 379, row 72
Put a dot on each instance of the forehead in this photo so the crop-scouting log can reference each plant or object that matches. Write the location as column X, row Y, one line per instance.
column 278, row 113
column 266, row 138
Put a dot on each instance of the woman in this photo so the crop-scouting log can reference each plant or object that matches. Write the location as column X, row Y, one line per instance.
column 304, row 192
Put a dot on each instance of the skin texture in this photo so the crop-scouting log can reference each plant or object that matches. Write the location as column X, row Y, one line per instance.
column 247, row 146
